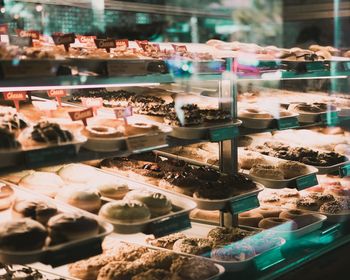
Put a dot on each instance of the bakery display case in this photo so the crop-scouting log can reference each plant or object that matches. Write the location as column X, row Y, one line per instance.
column 131, row 156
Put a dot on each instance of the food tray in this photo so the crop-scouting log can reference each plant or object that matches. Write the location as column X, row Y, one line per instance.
column 202, row 131
column 204, row 204
column 305, row 117
column 120, row 67
column 294, row 234
column 331, row 169
column 263, row 123
column 57, row 254
column 201, row 230
column 268, row 183
column 198, row 67
column 279, row 184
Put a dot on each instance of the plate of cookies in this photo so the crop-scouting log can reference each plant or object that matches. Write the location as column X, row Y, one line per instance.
column 37, row 228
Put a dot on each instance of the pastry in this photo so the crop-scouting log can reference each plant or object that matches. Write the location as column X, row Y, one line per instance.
column 45, row 132
column 6, row 196
column 38, row 210
column 302, row 218
column 118, row 270
column 157, row 203
column 43, row 182
column 278, row 224
column 307, row 203
column 80, row 197
column 249, row 218
column 125, row 211
column 249, row 159
column 332, row 207
column 77, row 173
column 103, row 131
column 111, row 188
column 266, row 171
column 188, row 115
column 254, row 113
column 8, row 140
column 268, row 212
column 181, row 182
column 89, row 269
column 233, row 252
column 215, row 115
column 11, row 120
column 66, row 227
column 22, row 235
column 194, row 268
column 222, row 236
column 167, row 241
column 292, row 169
column 140, row 128
column 194, row 246
column 157, row 259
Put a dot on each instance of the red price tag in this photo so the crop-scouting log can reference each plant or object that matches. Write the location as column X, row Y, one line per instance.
column 140, row 42
column 122, row 45
column 179, row 48
column 28, row 33
column 58, row 94
column 4, row 29
column 16, row 97
column 89, row 40
column 81, row 115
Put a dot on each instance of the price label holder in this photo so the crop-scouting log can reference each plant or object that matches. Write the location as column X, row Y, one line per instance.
column 16, row 97
column 330, row 118
column 344, row 171
column 223, row 133
column 307, row 181
column 21, row 41
column 244, row 204
column 269, row 259
column 58, row 94
column 73, row 253
column 64, row 39
column 287, row 123
column 56, row 154
column 146, row 142
column 34, row 34
column 106, row 44
column 82, row 115
column 169, row 225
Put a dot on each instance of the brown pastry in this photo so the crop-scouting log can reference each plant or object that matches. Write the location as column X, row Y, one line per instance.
column 278, row 224
column 307, row 203
column 154, row 274
column 193, row 246
column 292, row 169
column 167, row 241
column 38, row 210
column 22, row 235
column 332, row 207
column 223, row 236
column 194, row 268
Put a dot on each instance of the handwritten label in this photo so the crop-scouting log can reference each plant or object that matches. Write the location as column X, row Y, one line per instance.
column 306, row 181
column 145, row 142
column 57, row 93
column 92, row 102
column 15, row 95
column 4, row 29
column 123, row 112
column 89, row 40
column 268, row 259
column 169, row 225
column 55, row 155
column 344, row 171
column 286, row 123
column 81, row 115
column 63, row 39
column 21, row 41
column 179, row 48
column 330, row 118
column 122, row 44
column 107, row 44
column 223, row 133
column 244, row 204
column 28, row 33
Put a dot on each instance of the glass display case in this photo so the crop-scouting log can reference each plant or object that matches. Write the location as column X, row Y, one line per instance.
column 173, row 140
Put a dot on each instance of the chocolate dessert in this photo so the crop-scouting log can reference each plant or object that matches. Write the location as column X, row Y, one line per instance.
column 8, row 140
column 46, row 132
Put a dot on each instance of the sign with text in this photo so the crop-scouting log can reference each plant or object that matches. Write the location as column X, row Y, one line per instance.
column 306, row 182
column 88, row 40
column 16, row 97
column 244, row 204
column 82, row 115
column 21, row 41
column 28, row 33
column 58, row 94
column 121, row 44
column 223, row 133
column 64, row 39
column 179, row 48
column 107, row 44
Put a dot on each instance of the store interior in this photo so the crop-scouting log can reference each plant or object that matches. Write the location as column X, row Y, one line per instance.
column 173, row 139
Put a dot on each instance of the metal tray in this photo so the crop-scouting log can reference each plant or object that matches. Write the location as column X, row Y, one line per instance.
column 204, row 204
column 256, row 123
column 61, row 253
column 294, row 234
column 305, row 117
column 201, row 231
column 201, row 131
column 330, row 169
column 181, row 206
column 279, row 184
